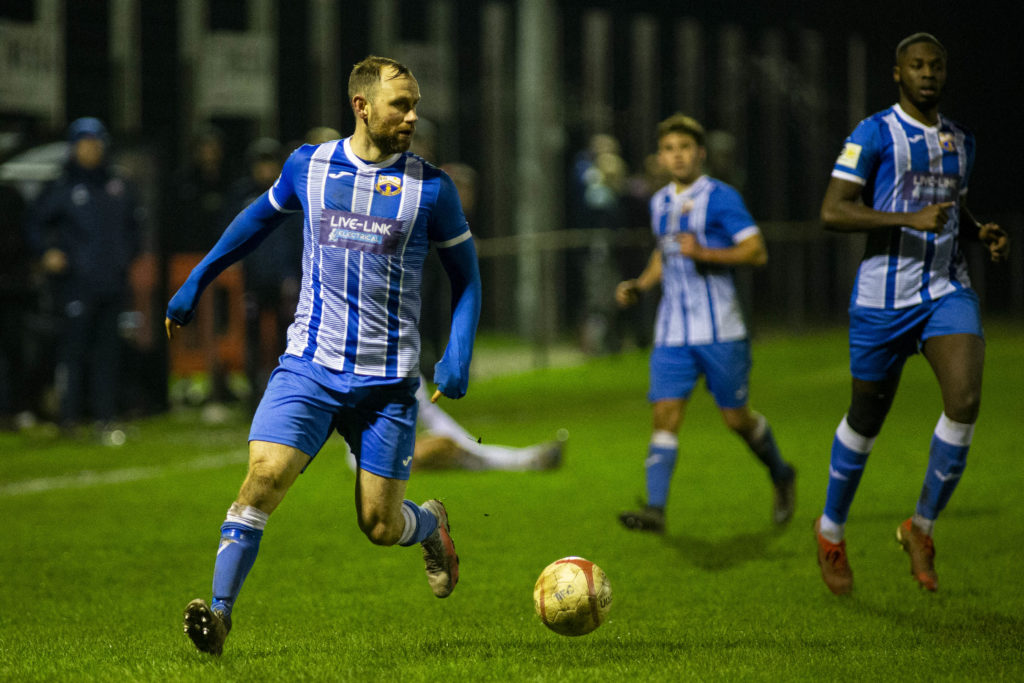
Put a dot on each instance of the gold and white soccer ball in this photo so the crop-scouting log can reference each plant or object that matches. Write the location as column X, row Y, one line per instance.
column 572, row 596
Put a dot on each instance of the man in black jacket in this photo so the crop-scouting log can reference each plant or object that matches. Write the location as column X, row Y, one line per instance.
column 84, row 230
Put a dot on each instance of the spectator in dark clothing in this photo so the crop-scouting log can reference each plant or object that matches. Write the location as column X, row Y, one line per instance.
column 272, row 272
column 196, row 198
column 84, row 230
column 193, row 213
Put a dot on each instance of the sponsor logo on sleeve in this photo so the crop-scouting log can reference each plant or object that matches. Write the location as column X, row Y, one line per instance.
column 850, row 155
column 372, row 234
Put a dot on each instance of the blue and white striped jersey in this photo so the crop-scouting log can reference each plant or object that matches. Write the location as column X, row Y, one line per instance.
column 904, row 166
column 698, row 300
column 367, row 230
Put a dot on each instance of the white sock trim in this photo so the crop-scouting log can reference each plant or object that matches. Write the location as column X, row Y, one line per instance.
column 664, row 438
column 760, row 429
column 410, row 524
column 857, row 443
column 248, row 515
column 923, row 524
column 954, row 433
column 830, row 530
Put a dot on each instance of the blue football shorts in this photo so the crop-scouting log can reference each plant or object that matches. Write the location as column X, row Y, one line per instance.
column 378, row 422
column 881, row 340
column 725, row 366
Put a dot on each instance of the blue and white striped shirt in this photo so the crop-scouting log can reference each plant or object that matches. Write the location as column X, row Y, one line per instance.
column 904, row 166
column 698, row 301
column 367, row 230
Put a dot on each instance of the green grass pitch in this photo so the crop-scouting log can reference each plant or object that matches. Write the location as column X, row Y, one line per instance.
column 101, row 548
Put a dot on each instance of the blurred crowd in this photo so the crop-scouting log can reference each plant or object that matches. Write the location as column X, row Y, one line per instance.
column 93, row 243
column 97, row 235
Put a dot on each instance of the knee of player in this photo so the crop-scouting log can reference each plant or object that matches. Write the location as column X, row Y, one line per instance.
column 261, row 488
column 381, row 531
column 742, row 423
column 964, row 407
column 866, row 415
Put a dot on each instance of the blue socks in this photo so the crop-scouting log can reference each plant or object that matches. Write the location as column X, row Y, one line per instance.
column 239, row 543
column 947, row 459
column 850, row 452
column 946, row 462
column 660, row 463
column 419, row 523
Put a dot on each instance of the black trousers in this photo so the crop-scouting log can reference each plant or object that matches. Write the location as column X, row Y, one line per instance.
column 88, row 358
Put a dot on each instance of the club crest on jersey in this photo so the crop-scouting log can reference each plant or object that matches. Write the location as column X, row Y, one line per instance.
column 947, row 142
column 389, row 185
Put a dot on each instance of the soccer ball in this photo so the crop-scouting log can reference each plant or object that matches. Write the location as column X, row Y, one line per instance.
column 572, row 596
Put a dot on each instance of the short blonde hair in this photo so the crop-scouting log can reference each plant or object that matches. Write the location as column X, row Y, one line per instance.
column 366, row 75
column 681, row 123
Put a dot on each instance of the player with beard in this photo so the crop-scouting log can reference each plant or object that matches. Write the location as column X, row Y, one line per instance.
column 902, row 178
column 371, row 210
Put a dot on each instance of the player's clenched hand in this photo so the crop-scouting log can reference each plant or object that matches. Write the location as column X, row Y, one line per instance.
column 996, row 239
column 931, row 218
column 688, row 245
column 451, row 377
column 626, row 293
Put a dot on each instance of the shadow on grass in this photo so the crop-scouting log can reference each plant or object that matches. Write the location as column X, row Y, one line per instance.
column 945, row 620
column 725, row 553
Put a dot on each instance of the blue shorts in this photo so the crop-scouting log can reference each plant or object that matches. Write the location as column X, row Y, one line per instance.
column 378, row 422
column 725, row 366
column 881, row 340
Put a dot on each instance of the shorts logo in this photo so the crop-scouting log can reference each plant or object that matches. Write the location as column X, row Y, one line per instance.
column 372, row 234
column 850, row 155
column 389, row 185
column 406, row 461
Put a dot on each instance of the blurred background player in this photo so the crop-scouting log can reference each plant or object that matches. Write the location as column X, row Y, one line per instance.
column 84, row 230
column 443, row 444
column 352, row 361
column 703, row 229
column 902, row 178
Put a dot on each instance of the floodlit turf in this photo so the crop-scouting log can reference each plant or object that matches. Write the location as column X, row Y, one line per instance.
column 101, row 548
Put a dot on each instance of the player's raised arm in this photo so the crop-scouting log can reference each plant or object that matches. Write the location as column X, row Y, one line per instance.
column 843, row 211
column 245, row 233
column 627, row 292
column 451, row 373
column 750, row 251
column 457, row 252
